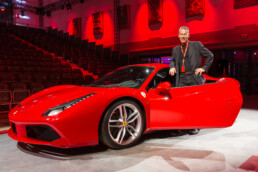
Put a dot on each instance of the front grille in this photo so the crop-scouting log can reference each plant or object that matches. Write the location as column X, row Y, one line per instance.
column 13, row 127
column 42, row 132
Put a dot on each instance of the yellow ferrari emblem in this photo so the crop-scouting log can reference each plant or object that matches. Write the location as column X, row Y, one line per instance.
column 124, row 123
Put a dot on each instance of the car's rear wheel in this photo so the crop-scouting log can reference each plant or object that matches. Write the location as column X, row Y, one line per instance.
column 122, row 124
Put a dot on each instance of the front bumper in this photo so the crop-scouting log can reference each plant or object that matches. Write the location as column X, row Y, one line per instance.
column 37, row 134
column 74, row 127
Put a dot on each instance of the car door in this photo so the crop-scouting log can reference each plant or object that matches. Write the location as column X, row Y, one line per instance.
column 198, row 106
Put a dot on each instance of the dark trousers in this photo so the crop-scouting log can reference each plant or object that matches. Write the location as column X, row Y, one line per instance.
column 187, row 80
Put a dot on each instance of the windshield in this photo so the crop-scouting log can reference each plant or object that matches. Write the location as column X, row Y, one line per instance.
column 131, row 77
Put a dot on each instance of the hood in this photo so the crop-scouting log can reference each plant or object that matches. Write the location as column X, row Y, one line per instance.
column 54, row 96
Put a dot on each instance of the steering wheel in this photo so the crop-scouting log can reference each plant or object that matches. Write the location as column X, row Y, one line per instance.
column 138, row 80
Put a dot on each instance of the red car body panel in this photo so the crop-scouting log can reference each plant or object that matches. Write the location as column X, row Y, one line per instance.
column 203, row 106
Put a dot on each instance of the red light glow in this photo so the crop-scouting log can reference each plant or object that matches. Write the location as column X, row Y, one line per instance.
column 2, row 8
column 108, row 35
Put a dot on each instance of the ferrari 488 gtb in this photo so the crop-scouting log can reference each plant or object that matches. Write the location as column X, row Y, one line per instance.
column 119, row 107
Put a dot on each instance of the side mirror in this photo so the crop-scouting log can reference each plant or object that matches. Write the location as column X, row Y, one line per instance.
column 163, row 87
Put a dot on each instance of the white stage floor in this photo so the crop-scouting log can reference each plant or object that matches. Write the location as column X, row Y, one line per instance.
column 211, row 150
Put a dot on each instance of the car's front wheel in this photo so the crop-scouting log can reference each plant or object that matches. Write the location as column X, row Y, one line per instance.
column 122, row 124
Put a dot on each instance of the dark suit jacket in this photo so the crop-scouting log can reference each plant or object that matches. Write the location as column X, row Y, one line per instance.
column 196, row 51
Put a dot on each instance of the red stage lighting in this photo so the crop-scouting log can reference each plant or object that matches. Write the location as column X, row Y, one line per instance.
column 2, row 8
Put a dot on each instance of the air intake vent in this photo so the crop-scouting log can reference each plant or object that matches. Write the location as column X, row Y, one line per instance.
column 42, row 132
column 13, row 128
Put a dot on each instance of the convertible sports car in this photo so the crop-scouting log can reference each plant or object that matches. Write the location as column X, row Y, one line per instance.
column 119, row 107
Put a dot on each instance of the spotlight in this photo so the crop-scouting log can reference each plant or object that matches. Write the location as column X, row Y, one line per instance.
column 22, row 13
column 2, row 8
column 69, row 7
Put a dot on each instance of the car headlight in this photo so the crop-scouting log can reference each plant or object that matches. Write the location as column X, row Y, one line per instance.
column 60, row 108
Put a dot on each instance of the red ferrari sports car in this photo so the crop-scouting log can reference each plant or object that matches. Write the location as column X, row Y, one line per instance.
column 119, row 107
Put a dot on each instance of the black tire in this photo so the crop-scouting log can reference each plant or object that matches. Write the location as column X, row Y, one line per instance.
column 116, row 131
